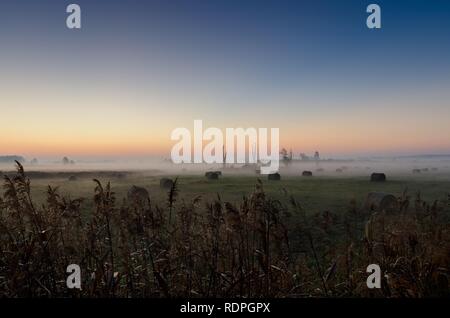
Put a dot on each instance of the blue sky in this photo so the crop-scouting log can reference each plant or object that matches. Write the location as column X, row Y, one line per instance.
column 304, row 66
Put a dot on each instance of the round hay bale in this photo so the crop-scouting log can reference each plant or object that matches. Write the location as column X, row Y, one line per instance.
column 137, row 195
column 416, row 171
column 274, row 176
column 425, row 169
column 380, row 201
column 166, row 183
column 377, row 177
column 212, row 175
column 307, row 173
column 73, row 178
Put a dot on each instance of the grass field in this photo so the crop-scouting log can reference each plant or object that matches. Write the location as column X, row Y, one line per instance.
column 315, row 193
column 297, row 237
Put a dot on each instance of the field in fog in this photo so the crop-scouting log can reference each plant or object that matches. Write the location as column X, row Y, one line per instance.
column 231, row 237
column 327, row 189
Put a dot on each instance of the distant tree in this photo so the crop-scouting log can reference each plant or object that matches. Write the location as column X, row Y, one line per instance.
column 11, row 159
column 316, row 156
column 285, row 156
column 65, row 161
column 34, row 161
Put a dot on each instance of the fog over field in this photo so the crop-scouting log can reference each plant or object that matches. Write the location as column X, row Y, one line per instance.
column 417, row 166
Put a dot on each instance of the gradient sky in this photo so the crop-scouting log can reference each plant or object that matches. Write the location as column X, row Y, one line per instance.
column 138, row 69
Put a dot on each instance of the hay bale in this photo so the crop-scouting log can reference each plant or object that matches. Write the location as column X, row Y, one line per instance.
column 166, row 183
column 380, row 201
column 307, row 173
column 137, row 195
column 425, row 169
column 212, row 175
column 274, row 176
column 73, row 178
column 219, row 173
column 339, row 170
column 415, row 171
column 377, row 177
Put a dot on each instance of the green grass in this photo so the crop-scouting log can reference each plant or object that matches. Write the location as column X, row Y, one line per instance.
column 315, row 194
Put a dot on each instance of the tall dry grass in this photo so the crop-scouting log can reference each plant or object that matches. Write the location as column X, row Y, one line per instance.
column 197, row 248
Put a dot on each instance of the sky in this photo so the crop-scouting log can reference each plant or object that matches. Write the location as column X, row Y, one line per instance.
column 139, row 69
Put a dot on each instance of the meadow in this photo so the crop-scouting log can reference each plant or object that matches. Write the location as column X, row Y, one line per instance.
column 317, row 193
column 239, row 236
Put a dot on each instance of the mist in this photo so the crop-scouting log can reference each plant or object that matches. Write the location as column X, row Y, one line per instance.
column 419, row 166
